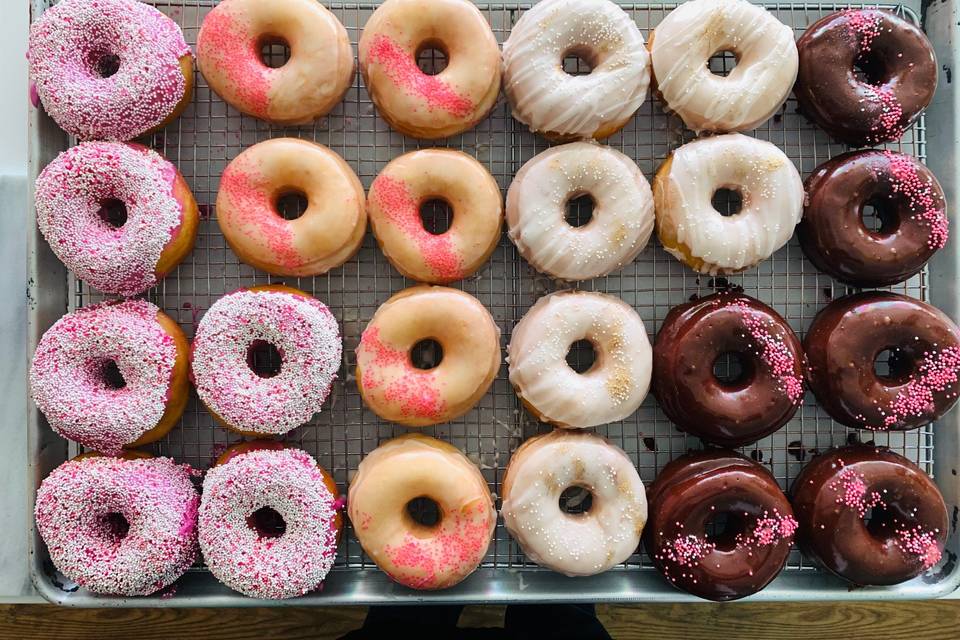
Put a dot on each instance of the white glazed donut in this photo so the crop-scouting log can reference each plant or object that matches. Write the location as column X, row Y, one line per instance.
column 610, row 390
column 681, row 47
column 622, row 215
column 567, row 107
column 694, row 232
column 573, row 544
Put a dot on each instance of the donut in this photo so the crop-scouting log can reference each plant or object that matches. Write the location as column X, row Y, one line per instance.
column 610, row 390
column 120, row 216
column 413, row 179
column 720, row 528
column 865, row 75
column 869, row 516
column 574, row 544
column 910, row 204
column 269, row 521
column 413, row 102
column 119, row 526
column 690, row 227
column 564, row 107
column 310, row 84
column 683, row 43
column 112, row 375
column 621, row 221
column 762, row 397
column 848, row 336
column 242, row 397
column 111, row 69
column 328, row 232
column 416, row 554
column 394, row 388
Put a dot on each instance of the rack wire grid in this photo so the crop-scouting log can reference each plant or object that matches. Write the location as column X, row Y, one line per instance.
column 211, row 133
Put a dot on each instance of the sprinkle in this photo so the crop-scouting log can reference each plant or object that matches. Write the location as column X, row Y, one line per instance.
column 937, row 373
column 920, row 543
column 769, row 529
column 685, row 551
column 775, row 352
column 416, row 392
column 851, row 489
column 224, row 46
column 864, row 27
column 927, row 207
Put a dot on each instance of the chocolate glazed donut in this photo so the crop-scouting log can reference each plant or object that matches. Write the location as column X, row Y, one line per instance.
column 865, row 75
column 910, row 205
column 692, row 495
column 729, row 412
column 844, row 342
column 907, row 527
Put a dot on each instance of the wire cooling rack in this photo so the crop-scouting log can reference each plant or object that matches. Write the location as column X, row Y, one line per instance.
column 210, row 134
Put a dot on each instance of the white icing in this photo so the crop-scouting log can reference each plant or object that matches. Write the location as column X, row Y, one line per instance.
column 549, row 100
column 754, row 89
column 622, row 216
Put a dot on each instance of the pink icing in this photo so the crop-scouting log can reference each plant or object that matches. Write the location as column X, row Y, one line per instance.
column 68, row 40
column 154, row 495
column 301, row 328
column 67, row 383
column 920, row 194
column 289, row 482
column 936, row 373
column 69, row 194
column 774, row 352
column 225, row 45
column 416, row 392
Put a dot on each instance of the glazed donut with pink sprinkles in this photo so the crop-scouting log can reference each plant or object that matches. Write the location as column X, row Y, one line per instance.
column 109, row 69
column 263, row 564
column 112, row 375
column 251, row 401
column 119, row 526
column 119, row 215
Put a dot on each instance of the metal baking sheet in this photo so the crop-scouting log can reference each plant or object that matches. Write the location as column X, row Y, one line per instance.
column 210, row 134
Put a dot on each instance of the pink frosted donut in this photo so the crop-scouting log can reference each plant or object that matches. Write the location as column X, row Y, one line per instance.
column 286, row 489
column 119, row 526
column 112, row 375
column 110, row 69
column 119, row 215
column 240, row 326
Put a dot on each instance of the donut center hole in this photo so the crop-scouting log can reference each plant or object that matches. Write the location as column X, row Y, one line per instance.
column 432, row 58
column 722, row 62
column 579, row 61
column 115, row 526
column 426, row 354
column 723, row 529
column 104, row 64
column 727, row 201
column 581, row 356
column 893, row 366
column 424, row 511
column 264, row 358
column 880, row 522
column 732, row 369
column 870, row 70
column 579, row 210
column 274, row 51
column 436, row 215
column 878, row 217
column 576, row 500
column 109, row 374
column 291, row 204
column 113, row 212
column 267, row 523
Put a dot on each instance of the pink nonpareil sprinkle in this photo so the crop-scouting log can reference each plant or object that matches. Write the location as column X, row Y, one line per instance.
column 771, row 529
column 851, row 489
column 775, row 353
column 920, row 194
column 937, row 373
column 920, row 543
column 686, row 551
column 415, row 392
column 888, row 125
column 222, row 44
column 864, row 26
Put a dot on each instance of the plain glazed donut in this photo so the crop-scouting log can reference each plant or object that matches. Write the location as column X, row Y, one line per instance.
column 912, row 209
column 681, row 47
column 698, row 488
column 112, row 375
column 307, row 86
column 417, row 555
column 731, row 413
column 120, row 216
column 564, row 107
column 430, row 106
column 694, row 232
column 304, row 334
column 111, row 69
column 847, row 337
column 907, row 529
column 327, row 234
column 119, row 526
column 617, row 232
column 551, row 390
column 878, row 105
column 395, row 389
column 405, row 184
column 573, row 544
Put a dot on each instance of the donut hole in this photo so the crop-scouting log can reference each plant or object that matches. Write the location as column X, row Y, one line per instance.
column 109, row 374
column 424, row 511
column 579, row 209
column 264, row 358
column 732, row 369
column 432, row 57
column 722, row 62
column 581, row 356
column 426, row 354
column 267, row 523
column 114, row 526
column 291, row 204
column 103, row 64
column 728, row 201
column 579, row 61
column 436, row 215
column 893, row 365
column 576, row 500
column 113, row 212
column 274, row 51
column 878, row 217
column 724, row 529
column 869, row 69
column 881, row 522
